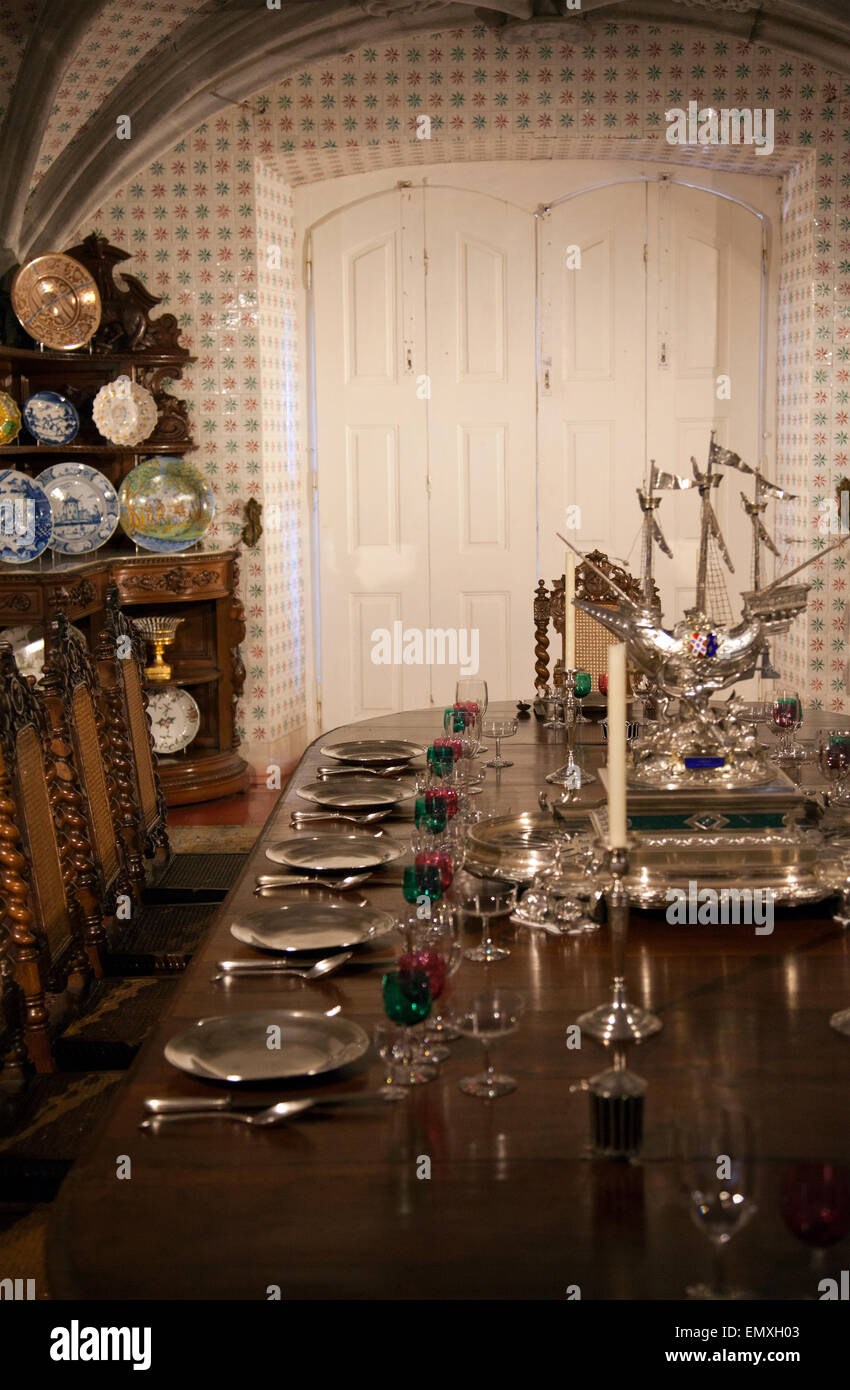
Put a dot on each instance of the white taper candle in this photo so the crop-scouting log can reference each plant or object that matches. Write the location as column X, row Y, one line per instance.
column 570, row 612
column 617, row 745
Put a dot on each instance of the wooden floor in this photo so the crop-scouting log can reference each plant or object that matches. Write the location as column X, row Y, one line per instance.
column 331, row 1207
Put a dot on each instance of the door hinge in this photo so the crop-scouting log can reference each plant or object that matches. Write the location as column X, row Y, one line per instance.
column 425, row 260
column 645, row 252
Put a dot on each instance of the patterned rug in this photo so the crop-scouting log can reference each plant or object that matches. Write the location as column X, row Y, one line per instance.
column 218, row 839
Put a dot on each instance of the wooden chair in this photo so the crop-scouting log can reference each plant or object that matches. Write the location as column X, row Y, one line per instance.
column 47, row 881
column 140, row 805
column 129, row 938
column 592, row 639
column 51, row 908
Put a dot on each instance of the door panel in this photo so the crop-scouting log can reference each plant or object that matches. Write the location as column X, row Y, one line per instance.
column 480, row 315
column 591, row 402
column 372, row 458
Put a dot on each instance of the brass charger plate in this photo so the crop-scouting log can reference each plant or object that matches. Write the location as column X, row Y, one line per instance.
column 57, row 301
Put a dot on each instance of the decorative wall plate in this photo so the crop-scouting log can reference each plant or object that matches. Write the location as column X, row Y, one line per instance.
column 56, row 301
column 51, row 418
column 84, row 505
column 124, row 412
column 10, row 419
column 175, row 718
column 27, row 644
column 26, row 522
column 166, row 504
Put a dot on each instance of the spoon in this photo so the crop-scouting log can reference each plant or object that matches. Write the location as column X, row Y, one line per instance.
column 361, row 818
column 263, row 1119
column 265, row 881
column 326, row 966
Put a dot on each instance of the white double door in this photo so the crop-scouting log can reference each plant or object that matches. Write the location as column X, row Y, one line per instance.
column 481, row 367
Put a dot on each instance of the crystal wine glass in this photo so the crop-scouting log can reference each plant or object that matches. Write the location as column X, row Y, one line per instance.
column 471, row 693
column 485, row 898
column 716, row 1174
column 392, row 1048
column 583, row 687
column 499, row 729
column 786, row 719
column 407, row 1001
column 816, row 1207
column 433, row 944
column 488, row 1016
column 834, row 762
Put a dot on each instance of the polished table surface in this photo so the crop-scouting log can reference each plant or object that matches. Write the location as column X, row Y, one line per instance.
column 332, row 1207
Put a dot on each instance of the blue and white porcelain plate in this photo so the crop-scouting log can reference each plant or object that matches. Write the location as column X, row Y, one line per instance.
column 84, row 505
column 26, row 522
column 51, row 418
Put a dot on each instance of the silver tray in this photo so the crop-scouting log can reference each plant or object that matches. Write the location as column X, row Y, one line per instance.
column 235, row 1048
column 335, row 854
column 312, row 926
column 514, row 847
column 355, row 793
column 373, row 751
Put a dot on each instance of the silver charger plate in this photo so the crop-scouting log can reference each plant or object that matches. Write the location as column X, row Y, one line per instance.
column 355, row 793
column 514, row 847
column 235, row 1047
column 373, row 751
column 334, row 854
column 312, row 926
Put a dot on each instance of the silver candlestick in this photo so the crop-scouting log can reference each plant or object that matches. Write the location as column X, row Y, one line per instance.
column 570, row 774
column 619, row 1021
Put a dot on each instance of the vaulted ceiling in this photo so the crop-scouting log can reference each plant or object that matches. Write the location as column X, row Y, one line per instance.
column 70, row 71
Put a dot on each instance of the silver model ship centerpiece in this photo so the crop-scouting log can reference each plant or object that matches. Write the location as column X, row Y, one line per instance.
column 708, row 745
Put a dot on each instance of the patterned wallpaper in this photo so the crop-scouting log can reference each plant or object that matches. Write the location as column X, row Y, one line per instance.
column 200, row 219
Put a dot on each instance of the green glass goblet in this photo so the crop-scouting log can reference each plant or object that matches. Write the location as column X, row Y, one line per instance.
column 407, row 1002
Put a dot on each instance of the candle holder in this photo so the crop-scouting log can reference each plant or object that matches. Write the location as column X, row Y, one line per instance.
column 571, row 773
column 619, row 1021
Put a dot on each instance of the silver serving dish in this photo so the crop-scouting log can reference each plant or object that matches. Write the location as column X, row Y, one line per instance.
column 515, row 847
column 335, row 854
column 788, row 862
column 236, row 1047
column 355, row 793
column 373, row 751
column 312, row 926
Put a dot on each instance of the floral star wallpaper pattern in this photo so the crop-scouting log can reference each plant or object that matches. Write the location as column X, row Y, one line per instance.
column 200, row 219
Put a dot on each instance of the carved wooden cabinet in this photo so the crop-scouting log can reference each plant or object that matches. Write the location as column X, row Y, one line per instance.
column 203, row 585
column 200, row 587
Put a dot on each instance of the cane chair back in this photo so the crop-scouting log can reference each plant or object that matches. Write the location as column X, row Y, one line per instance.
column 592, row 639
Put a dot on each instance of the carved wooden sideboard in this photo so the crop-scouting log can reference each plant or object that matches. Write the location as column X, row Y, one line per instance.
column 204, row 658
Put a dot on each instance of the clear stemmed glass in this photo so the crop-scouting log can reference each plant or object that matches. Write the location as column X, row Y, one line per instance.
column 499, row 729
column 471, row 693
column 392, row 1046
column 786, row 719
column 716, row 1166
column 493, row 1014
column 834, row 762
column 485, row 898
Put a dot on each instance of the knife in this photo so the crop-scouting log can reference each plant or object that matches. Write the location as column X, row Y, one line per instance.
column 182, row 1105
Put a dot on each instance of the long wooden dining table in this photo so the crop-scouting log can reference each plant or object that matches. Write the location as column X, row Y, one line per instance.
column 339, row 1204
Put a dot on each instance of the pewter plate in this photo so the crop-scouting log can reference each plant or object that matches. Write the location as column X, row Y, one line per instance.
column 312, row 926
column 355, row 793
column 514, row 847
column 373, row 751
column 334, row 854
column 235, row 1048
